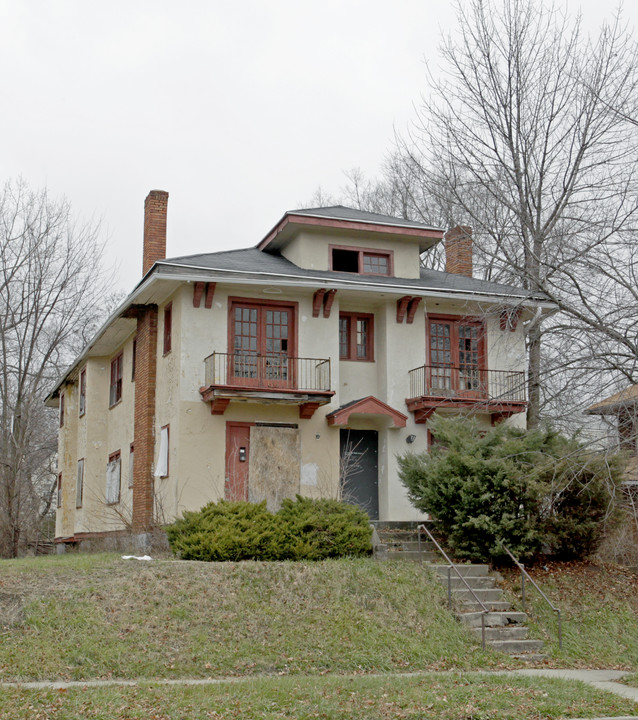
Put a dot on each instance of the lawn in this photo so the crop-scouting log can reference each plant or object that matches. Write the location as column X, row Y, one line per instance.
column 599, row 605
column 445, row 697
column 97, row 616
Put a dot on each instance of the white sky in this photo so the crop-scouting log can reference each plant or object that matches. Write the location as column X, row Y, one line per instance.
column 240, row 110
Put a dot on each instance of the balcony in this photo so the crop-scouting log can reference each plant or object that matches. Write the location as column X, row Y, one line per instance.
column 275, row 378
column 501, row 393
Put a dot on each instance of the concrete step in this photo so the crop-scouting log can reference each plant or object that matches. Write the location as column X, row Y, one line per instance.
column 397, row 535
column 505, row 632
column 482, row 582
column 486, row 595
column 465, row 570
column 413, row 555
column 409, row 545
column 515, row 647
column 493, row 606
column 493, row 619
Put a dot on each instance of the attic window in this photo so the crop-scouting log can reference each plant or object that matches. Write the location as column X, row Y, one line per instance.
column 360, row 261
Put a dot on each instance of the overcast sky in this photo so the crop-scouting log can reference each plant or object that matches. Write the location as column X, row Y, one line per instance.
column 240, row 110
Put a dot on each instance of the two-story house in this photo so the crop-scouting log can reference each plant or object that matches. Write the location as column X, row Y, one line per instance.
column 304, row 364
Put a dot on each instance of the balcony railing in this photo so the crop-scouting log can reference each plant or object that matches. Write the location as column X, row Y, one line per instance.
column 267, row 372
column 468, row 383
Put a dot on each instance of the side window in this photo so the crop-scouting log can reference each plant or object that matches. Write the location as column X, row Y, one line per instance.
column 113, row 475
column 161, row 469
column 131, row 458
column 115, row 390
column 79, row 487
column 61, row 409
column 83, row 392
column 356, row 336
column 168, row 328
column 59, row 491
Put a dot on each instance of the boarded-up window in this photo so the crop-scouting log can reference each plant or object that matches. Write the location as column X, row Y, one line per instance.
column 79, row 487
column 161, row 468
column 275, row 467
column 113, row 475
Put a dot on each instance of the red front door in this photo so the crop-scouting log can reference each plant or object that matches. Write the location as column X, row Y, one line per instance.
column 237, row 460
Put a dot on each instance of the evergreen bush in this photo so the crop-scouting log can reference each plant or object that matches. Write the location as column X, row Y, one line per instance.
column 535, row 491
column 303, row 529
column 318, row 529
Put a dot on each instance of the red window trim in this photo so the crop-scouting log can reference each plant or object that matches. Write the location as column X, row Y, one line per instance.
column 273, row 304
column 117, row 364
column 61, row 409
column 268, row 304
column 457, row 320
column 352, row 338
column 82, row 400
column 365, row 251
column 168, row 328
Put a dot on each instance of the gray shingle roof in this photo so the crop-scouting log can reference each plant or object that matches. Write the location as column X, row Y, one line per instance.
column 251, row 260
column 341, row 212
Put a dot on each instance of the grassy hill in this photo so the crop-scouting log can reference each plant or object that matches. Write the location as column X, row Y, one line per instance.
column 340, row 631
column 98, row 616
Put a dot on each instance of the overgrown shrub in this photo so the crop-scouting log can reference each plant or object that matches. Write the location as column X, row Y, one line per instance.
column 318, row 529
column 536, row 491
column 303, row 529
column 226, row 531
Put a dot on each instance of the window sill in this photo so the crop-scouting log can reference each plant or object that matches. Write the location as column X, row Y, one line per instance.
column 115, row 404
column 360, row 360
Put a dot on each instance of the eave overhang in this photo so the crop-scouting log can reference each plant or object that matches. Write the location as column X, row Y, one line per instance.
column 292, row 223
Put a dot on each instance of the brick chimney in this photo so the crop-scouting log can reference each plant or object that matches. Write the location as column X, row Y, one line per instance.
column 458, row 250
column 155, row 208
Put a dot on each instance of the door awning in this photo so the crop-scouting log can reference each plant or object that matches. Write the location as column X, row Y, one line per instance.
column 365, row 406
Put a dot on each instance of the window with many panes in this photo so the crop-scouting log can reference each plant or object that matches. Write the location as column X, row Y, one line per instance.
column 356, row 336
column 115, row 389
column 262, row 342
column 456, row 355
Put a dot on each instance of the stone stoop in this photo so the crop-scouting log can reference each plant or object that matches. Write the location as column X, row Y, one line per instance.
column 505, row 628
column 400, row 541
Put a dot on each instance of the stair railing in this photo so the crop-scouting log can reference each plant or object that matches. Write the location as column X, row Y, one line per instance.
column 525, row 575
column 451, row 566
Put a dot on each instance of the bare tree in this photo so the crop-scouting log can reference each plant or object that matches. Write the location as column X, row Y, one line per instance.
column 50, row 287
column 527, row 135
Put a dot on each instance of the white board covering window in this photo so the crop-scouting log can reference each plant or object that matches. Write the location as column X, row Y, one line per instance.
column 113, row 474
column 161, row 467
column 79, row 485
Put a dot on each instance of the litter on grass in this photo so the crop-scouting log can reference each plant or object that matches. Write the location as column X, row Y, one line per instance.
column 136, row 557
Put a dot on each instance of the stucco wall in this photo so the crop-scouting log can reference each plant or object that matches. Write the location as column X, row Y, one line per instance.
column 311, row 250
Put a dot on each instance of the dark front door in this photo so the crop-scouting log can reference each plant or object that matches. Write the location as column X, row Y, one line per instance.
column 359, row 466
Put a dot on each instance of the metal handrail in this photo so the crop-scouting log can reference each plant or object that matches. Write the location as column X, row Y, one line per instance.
column 525, row 574
column 452, row 566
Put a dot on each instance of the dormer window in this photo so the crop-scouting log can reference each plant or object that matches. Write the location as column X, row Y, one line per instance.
column 360, row 261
